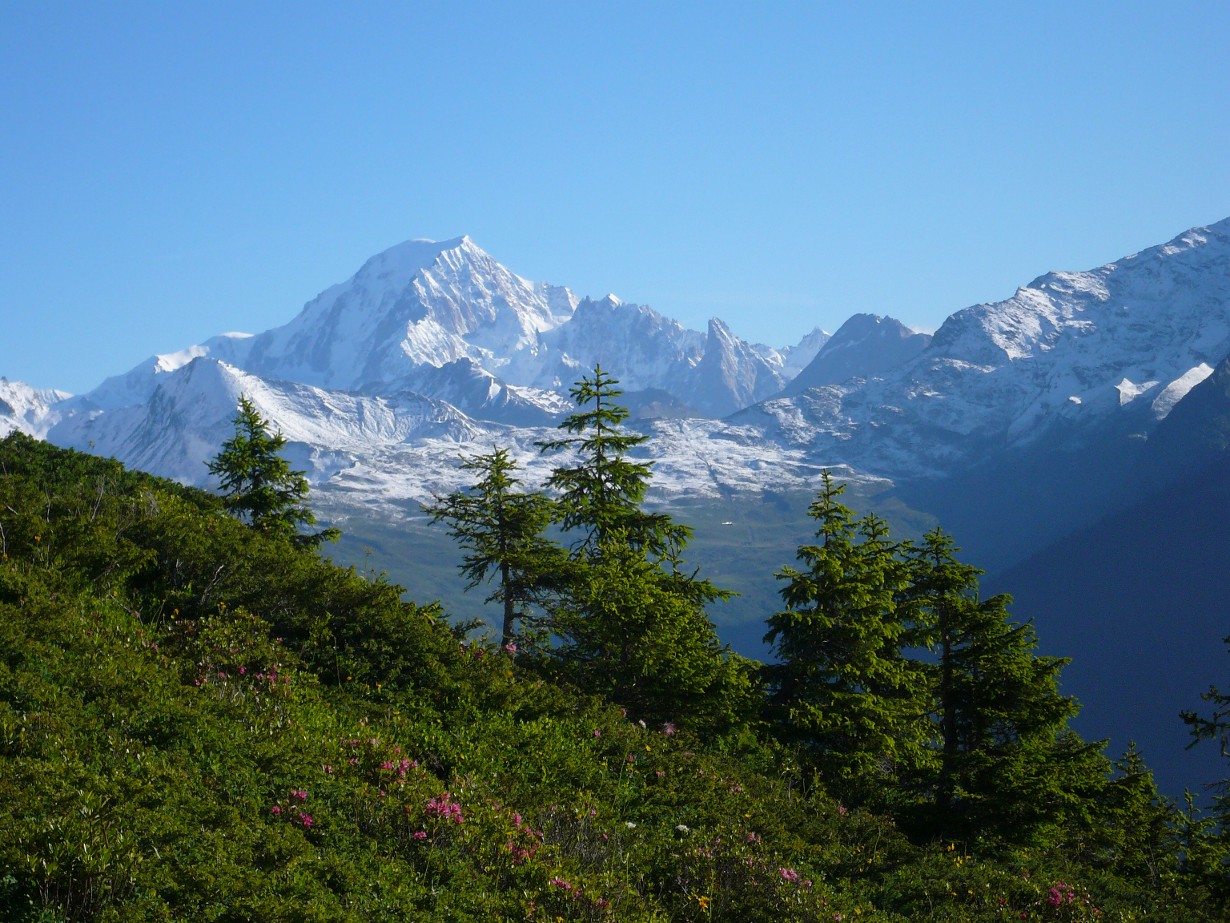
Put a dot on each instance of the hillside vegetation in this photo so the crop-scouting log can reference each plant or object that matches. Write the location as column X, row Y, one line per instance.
column 203, row 720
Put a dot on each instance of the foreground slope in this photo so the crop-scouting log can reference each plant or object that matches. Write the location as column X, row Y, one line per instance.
column 197, row 723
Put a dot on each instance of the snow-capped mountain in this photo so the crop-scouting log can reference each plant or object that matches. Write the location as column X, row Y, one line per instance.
column 447, row 320
column 421, row 303
column 1068, row 357
column 27, row 410
column 438, row 343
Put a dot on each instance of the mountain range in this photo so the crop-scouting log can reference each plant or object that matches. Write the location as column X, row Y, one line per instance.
column 1017, row 424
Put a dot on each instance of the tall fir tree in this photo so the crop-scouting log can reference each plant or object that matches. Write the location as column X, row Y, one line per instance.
column 843, row 691
column 258, row 484
column 603, row 491
column 1008, row 762
column 501, row 530
column 632, row 624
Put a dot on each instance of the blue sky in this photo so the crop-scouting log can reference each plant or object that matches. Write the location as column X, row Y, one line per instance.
column 172, row 171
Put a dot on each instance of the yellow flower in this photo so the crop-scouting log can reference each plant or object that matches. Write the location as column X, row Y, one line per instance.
column 704, row 902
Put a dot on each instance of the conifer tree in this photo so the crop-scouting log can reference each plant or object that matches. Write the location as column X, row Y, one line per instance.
column 258, row 484
column 1211, row 841
column 602, row 492
column 501, row 530
column 1008, row 762
column 632, row 624
column 843, row 690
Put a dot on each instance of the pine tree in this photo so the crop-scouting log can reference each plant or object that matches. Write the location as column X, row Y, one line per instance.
column 258, row 484
column 603, row 491
column 1008, row 762
column 632, row 623
column 843, row 690
column 501, row 530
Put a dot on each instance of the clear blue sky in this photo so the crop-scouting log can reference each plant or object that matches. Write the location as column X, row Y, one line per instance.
column 170, row 171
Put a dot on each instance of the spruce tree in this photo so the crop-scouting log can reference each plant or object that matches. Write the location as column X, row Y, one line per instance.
column 843, row 690
column 501, row 530
column 1008, row 763
column 258, row 484
column 632, row 624
column 603, row 491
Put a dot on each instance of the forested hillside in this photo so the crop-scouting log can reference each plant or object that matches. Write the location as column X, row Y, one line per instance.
column 201, row 719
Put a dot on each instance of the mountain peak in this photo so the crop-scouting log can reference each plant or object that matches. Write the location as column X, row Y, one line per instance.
column 865, row 345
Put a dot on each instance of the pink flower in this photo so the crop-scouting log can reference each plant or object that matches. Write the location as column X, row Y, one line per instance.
column 420, row 834
column 510, row 648
column 306, row 820
column 445, row 808
column 669, row 729
column 788, row 874
column 275, row 810
column 300, row 794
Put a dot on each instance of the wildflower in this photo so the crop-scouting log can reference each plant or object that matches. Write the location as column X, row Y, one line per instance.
column 630, row 825
column 841, row 809
column 510, row 648
column 669, row 729
column 275, row 810
column 420, row 834
column 703, row 902
column 682, row 829
column 445, row 808
column 306, row 821
column 300, row 794
column 597, row 732
column 788, row 874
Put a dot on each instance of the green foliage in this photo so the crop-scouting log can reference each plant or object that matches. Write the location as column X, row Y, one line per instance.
column 844, row 690
column 199, row 721
column 909, row 693
column 501, row 530
column 1213, row 851
column 259, row 486
column 602, row 493
column 1007, row 761
column 630, row 622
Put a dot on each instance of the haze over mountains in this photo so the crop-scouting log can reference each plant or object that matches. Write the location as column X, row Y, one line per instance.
column 1016, row 424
